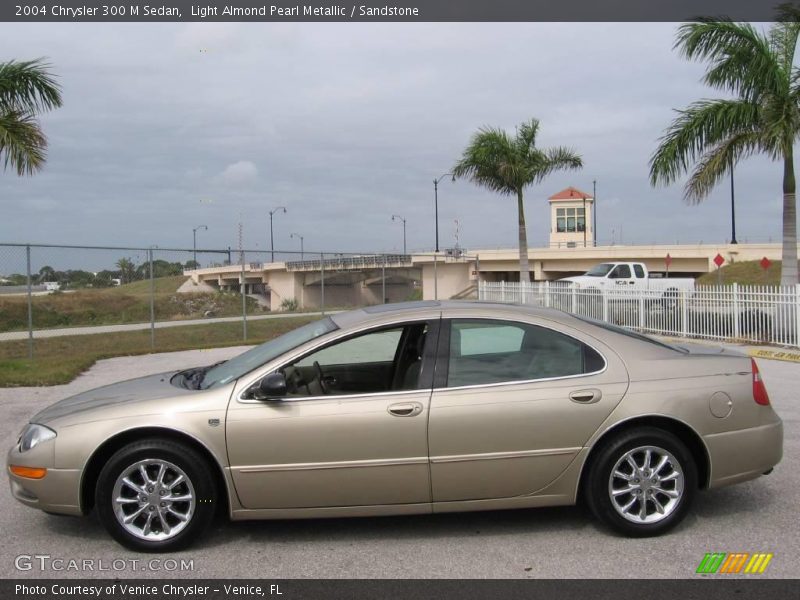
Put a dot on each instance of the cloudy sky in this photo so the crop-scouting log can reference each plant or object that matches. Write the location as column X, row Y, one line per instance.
column 169, row 126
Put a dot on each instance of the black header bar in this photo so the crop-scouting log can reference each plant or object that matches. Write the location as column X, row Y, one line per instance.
column 386, row 10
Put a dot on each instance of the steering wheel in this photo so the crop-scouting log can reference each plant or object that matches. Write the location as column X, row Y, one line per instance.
column 322, row 384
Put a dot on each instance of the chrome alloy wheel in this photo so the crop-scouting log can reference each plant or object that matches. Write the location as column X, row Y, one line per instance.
column 646, row 484
column 153, row 499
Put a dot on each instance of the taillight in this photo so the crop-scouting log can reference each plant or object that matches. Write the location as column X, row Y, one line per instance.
column 759, row 389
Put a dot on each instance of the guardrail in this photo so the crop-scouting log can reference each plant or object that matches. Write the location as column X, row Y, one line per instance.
column 758, row 314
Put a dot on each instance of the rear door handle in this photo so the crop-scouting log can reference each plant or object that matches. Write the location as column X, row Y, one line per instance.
column 586, row 396
column 405, row 409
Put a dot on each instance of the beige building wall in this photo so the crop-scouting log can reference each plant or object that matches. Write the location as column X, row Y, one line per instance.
column 558, row 238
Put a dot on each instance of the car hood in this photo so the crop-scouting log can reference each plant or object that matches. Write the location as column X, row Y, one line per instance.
column 132, row 391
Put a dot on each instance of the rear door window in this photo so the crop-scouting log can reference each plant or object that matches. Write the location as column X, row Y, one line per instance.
column 488, row 351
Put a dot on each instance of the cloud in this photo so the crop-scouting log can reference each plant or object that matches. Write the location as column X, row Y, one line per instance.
column 242, row 172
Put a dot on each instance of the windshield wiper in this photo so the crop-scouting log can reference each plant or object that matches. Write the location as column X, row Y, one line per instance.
column 193, row 378
column 201, row 375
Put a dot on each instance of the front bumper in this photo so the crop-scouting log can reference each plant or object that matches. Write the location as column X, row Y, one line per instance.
column 57, row 492
column 744, row 454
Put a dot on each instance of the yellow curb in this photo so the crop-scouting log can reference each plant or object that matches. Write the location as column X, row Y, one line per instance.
column 775, row 355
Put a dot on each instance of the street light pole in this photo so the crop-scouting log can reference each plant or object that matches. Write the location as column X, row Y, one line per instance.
column 436, row 202
column 295, row 235
column 594, row 213
column 394, row 218
column 584, row 221
column 271, row 239
column 733, row 210
column 194, row 242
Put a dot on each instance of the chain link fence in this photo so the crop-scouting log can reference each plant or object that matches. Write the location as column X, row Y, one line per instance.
column 162, row 297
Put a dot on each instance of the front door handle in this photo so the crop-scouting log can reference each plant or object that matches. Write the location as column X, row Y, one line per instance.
column 586, row 396
column 405, row 409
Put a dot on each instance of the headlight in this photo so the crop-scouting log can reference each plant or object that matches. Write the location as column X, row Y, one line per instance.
column 33, row 435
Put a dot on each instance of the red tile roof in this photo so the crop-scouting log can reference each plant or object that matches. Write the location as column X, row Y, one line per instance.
column 570, row 193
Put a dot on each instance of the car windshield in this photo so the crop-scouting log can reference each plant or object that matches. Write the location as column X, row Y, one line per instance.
column 600, row 270
column 255, row 357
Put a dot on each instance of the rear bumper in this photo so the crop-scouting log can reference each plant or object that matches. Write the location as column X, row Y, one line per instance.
column 744, row 454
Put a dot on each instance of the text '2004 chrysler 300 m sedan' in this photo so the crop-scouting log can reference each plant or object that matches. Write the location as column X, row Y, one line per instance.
column 402, row 409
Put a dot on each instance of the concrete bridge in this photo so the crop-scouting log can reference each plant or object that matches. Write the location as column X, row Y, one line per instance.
column 358, row 280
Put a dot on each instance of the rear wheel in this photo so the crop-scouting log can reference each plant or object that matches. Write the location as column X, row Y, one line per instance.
column 642, row 482
column 156, row 496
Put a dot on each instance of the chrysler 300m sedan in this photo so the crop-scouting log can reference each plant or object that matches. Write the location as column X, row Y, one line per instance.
column 403, row 409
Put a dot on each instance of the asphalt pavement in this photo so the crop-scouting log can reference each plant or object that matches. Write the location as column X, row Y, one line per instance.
column 757, row 516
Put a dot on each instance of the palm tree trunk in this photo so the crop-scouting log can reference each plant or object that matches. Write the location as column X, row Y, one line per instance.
column 789, row 255
column 524, row 268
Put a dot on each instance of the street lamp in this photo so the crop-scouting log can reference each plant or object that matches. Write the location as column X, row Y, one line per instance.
column 194, row 242
column 733, row 210
column 295, row 235
column 584, row 221
column 271, row 242
column 436, row 201
column 594, row 213
column 395, row 218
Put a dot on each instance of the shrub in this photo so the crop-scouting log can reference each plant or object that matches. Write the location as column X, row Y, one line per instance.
column 289, row 305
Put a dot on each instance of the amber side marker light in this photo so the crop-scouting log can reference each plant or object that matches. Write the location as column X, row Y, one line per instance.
column 28, row 472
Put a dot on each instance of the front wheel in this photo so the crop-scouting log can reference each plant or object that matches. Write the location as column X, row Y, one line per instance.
column 642, row 483
column 156, row 496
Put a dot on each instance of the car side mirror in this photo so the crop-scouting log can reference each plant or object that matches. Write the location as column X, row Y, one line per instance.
column 272, row 386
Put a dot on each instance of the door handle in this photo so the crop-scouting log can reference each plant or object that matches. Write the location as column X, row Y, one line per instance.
column 586, row 396
column 406, row 409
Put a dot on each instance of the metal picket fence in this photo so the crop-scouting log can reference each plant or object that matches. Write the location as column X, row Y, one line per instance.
column 753, row 313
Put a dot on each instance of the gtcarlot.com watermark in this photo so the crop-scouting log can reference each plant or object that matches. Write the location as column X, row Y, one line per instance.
column 47, row 562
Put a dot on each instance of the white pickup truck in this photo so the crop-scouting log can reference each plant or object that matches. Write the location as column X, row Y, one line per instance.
column 622, row 276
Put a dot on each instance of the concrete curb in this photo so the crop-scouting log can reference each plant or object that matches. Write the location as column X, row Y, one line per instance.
column 784, row 355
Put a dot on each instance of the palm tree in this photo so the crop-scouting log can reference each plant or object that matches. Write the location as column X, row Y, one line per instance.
column 507, row 165
column 26, row 89
column 763, row 116
column 127, row 270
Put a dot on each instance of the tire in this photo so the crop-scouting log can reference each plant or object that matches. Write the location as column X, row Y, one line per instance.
column 174, row 524
column 673, row 486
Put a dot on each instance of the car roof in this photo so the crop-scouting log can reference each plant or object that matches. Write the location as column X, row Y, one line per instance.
column 421, row 309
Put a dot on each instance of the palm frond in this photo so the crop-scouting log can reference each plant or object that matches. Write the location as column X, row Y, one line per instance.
column 742, row 59
column 22, row 143
column 783, row 39
column 717, row 161
column 487, row 159
column 702, row 125
column 526, row 136
column 28, row 86
column 559, row 158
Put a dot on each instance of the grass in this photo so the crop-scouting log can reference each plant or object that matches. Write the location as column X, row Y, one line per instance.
column 128, row 303
column 747, row 272
column 162, row 285
column 59, row 360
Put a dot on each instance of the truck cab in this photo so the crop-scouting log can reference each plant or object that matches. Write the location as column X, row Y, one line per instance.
column 618, row 273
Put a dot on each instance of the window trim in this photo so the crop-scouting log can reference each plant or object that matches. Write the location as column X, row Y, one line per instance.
column 434, row 325
column 443, row 356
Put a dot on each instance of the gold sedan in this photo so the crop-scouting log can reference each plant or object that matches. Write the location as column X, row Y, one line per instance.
column 423, row 407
